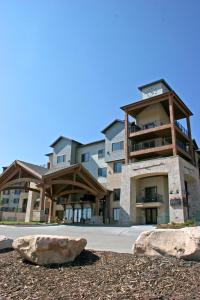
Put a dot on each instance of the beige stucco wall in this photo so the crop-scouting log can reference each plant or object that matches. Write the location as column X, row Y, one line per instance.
column 152, row 113
column 161, row 182
column 114, row 181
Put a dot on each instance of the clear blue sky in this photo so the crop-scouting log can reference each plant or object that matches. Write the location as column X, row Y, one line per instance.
column 66, row 67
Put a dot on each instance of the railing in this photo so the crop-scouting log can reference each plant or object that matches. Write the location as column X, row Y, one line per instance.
column 154, row 198
column 183, row 146
column 181, row 128
column 150, row 144
column 135, row 128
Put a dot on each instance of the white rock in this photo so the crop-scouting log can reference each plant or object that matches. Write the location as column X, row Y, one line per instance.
column 49, row 249
column 5, row 243
column 182, row 243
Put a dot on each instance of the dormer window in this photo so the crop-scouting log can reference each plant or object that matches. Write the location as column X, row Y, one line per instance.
column 60, row 159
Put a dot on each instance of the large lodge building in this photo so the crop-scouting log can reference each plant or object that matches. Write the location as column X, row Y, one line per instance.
column 144, row 171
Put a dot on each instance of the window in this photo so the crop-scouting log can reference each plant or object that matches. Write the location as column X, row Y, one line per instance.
column 85, row 157
column 60, row 159
column 117, row 146
column 17, row 192
column 116, row 214
column 69, row 214
column 102, row 172
column 6, row 192
column 117, row 167
column 87, row 213
column 5, row 201
column 101, row 153
column 151, row 193
column 16, row 201
column 116, row 194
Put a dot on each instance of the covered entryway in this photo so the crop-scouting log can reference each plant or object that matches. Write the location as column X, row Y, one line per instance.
column 70, row 187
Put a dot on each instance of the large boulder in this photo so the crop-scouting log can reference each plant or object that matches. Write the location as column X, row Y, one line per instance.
column 49, row 249
column 5, row 242
column 181, row 243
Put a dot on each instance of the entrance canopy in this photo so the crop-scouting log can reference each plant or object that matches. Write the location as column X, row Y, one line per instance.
column 55, row 182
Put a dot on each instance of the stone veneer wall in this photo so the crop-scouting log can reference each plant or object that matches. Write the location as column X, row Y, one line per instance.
column 177, row 170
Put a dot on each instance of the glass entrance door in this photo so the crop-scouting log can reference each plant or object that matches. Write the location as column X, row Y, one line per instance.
column 151, row 215
column 77, row 215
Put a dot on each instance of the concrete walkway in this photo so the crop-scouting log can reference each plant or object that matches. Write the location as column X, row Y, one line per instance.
column 117, row 239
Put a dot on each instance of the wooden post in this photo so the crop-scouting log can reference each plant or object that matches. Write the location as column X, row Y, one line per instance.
column 172, row 121
column 126, row 141
column 190, row 137
column 97, row 206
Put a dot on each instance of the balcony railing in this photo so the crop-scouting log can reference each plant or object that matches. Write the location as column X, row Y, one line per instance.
column 135, row 128
column 183, row 146
column 154, row 198
column 183, row 130
column 150, row 144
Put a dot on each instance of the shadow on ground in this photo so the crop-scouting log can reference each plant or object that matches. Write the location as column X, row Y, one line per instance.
column 86, row 258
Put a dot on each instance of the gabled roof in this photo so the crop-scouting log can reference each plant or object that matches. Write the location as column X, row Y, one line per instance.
column 48, row 154
column 63, row 137
column 111, row 124
column 20, row 171
column 36, row 168
column 155, row 82
column 92, row 143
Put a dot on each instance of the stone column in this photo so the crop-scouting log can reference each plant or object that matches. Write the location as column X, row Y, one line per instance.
column 31, row 197
column 176, row 192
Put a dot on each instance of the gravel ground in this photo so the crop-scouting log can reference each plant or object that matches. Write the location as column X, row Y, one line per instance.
column 100, row 275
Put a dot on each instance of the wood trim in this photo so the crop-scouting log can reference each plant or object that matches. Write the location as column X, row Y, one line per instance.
column 8, row 177
column 19, row 180
column 151, row 150
column 172, row 121
column 190, row 140
column 88, row 182
column 150, row 130
column 71, row 182
column 146, row 102
column 67, row 192
column 126, row 141
column 183, row 109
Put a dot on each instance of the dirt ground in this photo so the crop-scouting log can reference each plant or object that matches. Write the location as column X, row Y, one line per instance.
column 100, row 275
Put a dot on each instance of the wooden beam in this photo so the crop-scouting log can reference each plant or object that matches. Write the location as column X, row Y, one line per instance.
column 126, row 141
column 172, row 121
column 190, row 142
column 87, row 181
column 71, row 182
column 20, row 180
column 68, row 192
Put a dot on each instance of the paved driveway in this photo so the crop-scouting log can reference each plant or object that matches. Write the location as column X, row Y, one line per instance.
column 118, row 239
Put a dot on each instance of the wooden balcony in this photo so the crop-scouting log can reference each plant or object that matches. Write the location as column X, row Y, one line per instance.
column 161, row 147
column 153, row 129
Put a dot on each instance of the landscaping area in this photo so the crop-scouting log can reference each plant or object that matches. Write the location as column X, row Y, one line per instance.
column 100, row 275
